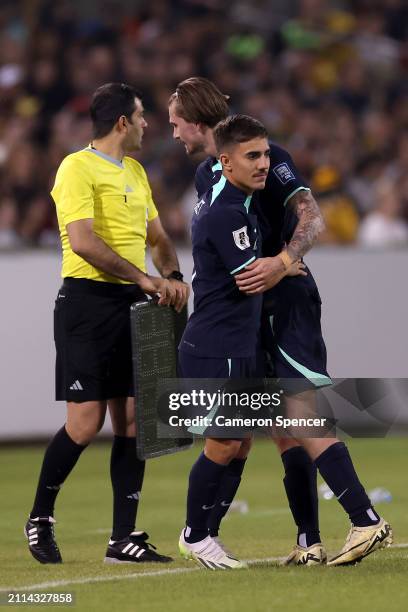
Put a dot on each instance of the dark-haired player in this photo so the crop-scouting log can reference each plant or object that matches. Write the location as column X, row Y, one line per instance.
column 220, row 340
column 106, row 215
column 290, row 221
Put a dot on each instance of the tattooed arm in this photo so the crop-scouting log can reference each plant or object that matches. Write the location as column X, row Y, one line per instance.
column 266, row 272
column 310, row 224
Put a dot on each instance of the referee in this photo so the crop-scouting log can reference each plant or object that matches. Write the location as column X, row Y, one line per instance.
column 106, row 215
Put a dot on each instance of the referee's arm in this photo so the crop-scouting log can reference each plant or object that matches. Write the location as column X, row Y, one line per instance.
column 86, row 244
column 165, row 260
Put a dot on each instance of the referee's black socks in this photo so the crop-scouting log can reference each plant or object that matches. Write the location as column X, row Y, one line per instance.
column 300, row 483
column 127, row 474
column 59, row 459
column 337, row 469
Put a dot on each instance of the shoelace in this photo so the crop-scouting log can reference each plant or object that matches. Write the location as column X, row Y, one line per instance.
column 214, row 550
column 53, row 537
column 49, row 536
column 143, row 544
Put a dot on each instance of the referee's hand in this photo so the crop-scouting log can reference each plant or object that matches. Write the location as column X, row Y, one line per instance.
column 182, row 293
column 153, row 285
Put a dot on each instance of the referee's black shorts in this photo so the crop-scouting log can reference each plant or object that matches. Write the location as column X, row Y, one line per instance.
column 92, row 340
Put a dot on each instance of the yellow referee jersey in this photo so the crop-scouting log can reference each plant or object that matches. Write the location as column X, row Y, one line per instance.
column 116, row 195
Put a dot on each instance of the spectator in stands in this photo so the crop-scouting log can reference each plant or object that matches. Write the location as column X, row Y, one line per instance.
column 384, row 226
column 327, row 83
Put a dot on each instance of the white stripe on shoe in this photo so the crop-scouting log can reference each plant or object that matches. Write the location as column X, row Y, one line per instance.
column 127, row 547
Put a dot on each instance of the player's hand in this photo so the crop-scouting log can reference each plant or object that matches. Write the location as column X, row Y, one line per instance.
column 153, row 285
column 297, row 268
column 182, row 293
column 261, row 275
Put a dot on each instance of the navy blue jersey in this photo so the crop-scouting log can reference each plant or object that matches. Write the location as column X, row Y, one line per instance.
column 277, row 222
column 225, row 238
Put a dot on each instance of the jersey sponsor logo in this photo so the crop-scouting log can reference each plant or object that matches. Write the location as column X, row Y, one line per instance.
column 198, row 206
column 128, row 189
column 241, row 238
column 284, row 173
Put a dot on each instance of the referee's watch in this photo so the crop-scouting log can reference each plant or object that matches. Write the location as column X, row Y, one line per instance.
column 176, row 274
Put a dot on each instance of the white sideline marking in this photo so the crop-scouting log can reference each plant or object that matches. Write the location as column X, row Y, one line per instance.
column 134, row 576
column 169, row 572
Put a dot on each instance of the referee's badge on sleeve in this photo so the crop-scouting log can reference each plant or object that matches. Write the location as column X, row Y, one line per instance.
column 241, row 238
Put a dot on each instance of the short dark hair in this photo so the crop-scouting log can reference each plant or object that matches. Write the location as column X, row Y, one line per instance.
column 236, row 129
column 198, row 100
column 109, row 102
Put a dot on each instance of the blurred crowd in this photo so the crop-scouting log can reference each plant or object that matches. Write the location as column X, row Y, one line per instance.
column 328, row 79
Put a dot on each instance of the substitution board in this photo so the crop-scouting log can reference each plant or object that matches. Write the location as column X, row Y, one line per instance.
column 156, row 331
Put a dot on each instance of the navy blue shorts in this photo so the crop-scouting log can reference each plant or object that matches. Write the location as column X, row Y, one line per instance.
column 191, row 366
column 235, row 371
column 291, row 335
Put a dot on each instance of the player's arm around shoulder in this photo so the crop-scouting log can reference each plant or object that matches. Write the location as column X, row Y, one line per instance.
column 285, row 183
column 266, row 272
column 269, row 271
column 164, row 257
column 310, row 224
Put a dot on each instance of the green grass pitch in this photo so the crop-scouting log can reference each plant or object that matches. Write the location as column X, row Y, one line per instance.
column 83, row 513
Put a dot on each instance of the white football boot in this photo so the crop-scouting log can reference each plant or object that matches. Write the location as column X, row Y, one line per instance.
column 208, row 554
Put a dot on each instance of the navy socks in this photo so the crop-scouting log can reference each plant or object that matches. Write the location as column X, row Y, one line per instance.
column 337, row 469
column 228, row 487
column 300, row 483
column 204, row 483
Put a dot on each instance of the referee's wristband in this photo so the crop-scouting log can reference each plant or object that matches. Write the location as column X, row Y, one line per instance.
column 176, row 274
column 287, row 262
